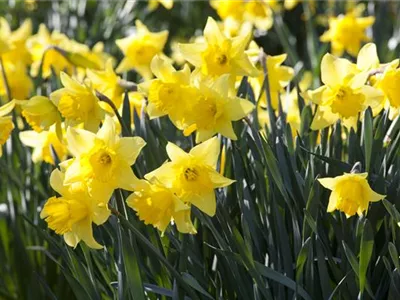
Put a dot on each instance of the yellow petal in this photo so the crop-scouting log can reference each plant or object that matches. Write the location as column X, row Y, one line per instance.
column 71, row 239
column 323, row 118
column 239, row 108
column 162, row 174
column 192, row 52
column 79, row 141
column 107, row 132
column 84, row 231
column 161, row 68
column 218, row 180
column 328, row 183
column 208, row 151
column 212, row 33
column 129, row 148
column 7, row 108
column 334, row 70
column 332, row 202
column 183, row 222
column 367, row 58
column 175, row 153
column 205, row 202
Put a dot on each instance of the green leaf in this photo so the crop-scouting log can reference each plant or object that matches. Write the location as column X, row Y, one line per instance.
column 367, row 245
column 367, row 137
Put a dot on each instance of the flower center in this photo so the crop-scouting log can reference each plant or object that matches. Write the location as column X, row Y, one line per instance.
column 76, row 107
column 164, row 95
column 61, row 213
column 346, row 103
column 216, row 59
column 191, row 174
column 141, row 52
column 349, row 197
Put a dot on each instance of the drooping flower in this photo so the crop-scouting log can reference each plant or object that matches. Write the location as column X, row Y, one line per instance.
column 168, row 93
column 278, row 78
column 39, row 112
column 6, row 123
column 43, row 143
column 218, row 54
column 351, row 193
column 347, row 32
column 72, row 214
column 192, row 176
column 157, row 205
column 77, row 103
column 103, row 157
column 344, row 95
column 140, row 48
column 214, row 107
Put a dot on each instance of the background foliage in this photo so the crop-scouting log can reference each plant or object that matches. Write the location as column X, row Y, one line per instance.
column 271, row 237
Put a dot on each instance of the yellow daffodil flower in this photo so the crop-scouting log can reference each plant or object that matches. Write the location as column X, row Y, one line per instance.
column 344, row 95
column 39, row 112
column 140, row 48
column 153, row 4
column 290, row 103
column 347, row 32
column 219, row 54
column 42, row 143
column 6, row 123
column 386, row 78
column 278, row 78
column 214, row 106
column 290, row 4
column 16, row 42
column 192, row 176
column 19, row 82
column 43, row 55
column 351, row 193
column 157, row 205
column 77, row 104
column 258, row 12
column 168, row 93
column 73, row 213
column 106, row 82
column 104, row 156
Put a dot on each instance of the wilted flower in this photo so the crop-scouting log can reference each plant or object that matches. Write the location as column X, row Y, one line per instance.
column 140, row 48
column 192, row 176
column 351, row 193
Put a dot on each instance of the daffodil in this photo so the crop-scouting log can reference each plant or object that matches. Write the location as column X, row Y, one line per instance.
column 345, row 94
column 214, row 106
column 278, row 78
column 153, row 4
column 19, row 82
column 140, row 48
column 77, row 104
column 192, row 176
column 347, row 32
column 43, row 143
column 73, row 214
column 43, row 54
column 258, row 12
column 386, row 79
column 290, row 4
column 157, row 205
column 351, row 193
column 219, row 54
column 39, row 112
column 107, row 83
column 6, row 123
column 169, row 92
column 16, row 40
column 103, row 157
column 290, row 103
